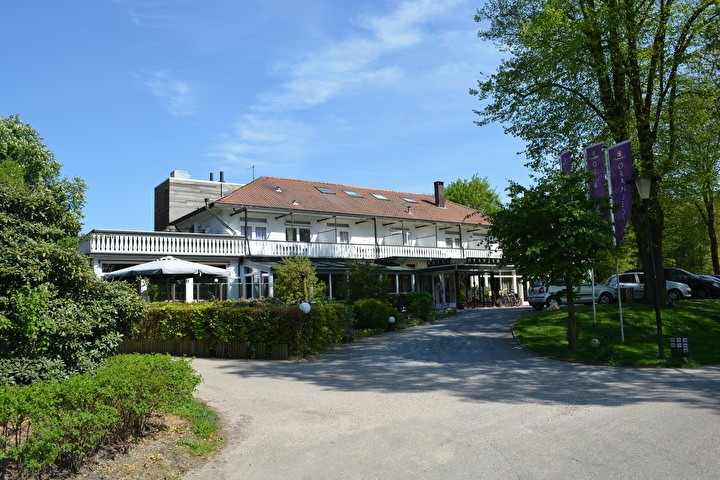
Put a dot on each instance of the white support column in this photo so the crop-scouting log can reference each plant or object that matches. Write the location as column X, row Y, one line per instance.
column 233, row 281
column 189, row 283
column 271, row 284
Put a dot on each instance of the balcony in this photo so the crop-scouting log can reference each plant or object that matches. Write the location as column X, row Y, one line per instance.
column 156, row 244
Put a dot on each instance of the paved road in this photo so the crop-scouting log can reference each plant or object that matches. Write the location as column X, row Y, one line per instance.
column 459, row 399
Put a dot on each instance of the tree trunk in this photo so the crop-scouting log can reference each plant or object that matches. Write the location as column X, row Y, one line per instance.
column 712, row 234
column 654, row 215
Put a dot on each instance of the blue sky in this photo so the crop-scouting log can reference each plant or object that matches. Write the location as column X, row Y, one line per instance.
column 368, row 93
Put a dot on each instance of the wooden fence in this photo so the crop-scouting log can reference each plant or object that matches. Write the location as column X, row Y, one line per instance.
column 202, row 348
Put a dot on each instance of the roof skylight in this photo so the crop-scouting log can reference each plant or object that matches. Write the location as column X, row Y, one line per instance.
column 326, row 190
column 353, row 194
column 380, row 196
column 409, row 200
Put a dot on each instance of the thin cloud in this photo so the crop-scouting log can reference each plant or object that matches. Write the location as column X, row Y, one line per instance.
column 342, row 65
column 255, row 135
column 367, row 57
column 174, row 95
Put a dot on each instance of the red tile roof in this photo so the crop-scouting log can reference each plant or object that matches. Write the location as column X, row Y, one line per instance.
column 304, row 196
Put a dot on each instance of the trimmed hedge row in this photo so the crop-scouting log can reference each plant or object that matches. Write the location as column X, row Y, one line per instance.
column 215, row 322
column 55, row 425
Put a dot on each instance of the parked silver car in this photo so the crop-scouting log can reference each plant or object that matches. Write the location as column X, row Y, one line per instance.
column 636, row 280
column 541, row 296
column 583, row 293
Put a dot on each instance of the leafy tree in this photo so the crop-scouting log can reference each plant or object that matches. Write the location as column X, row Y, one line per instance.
column 366, row 280
column 56, row 317
column 696, row 178
column 474, row 193
column 579, row 72
column 554, row 231
column 296, row 281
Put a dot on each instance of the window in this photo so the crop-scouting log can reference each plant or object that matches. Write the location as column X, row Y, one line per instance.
column 245, row 231
column 452, row 242
column 380, row 196
column 261, row 233
column 353, row 194
column 293, row 234
column 325, row 190
column 343, row 237
column 409, row 200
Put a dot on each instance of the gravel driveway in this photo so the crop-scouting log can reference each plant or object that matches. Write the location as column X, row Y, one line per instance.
column 459, row 399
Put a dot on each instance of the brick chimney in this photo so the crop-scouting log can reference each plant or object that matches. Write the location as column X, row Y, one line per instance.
column 439, row 194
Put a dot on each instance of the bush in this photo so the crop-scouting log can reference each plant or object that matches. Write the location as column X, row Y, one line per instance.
column 324, row 327
column 371, row 313
column 420, row 304
column 55, row 425
column 44, row 337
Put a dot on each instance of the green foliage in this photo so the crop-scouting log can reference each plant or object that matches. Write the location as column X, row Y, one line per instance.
column 46, row 337
column 474, row 193
column 420, row 304
column 554, row 231
column 48, row 426
column 296, row 281
column 544, row 332
column 324, row 327
column 56, row 317
column 372, row 313
column 417, row 305
column 205, row 438
column 577, row 73
column 366, row 280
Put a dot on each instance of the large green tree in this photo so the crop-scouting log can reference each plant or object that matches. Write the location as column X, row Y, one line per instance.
column 554, row 231
column 475, row 193
column 56, row 316
column 695, row 179
column 577, row 72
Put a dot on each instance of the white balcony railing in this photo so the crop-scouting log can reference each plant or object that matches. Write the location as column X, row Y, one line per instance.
column 204, row 245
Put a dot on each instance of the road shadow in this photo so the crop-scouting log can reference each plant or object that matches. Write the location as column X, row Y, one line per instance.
column 474, row 356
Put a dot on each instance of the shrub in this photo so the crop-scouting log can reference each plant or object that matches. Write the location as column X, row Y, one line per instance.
column 51, row 425
column 324, row 327
column 43, row 336
column 371, row 313
column 420, row 304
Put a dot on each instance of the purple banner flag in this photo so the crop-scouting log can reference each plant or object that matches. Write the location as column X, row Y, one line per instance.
column 566, row 162
column 596, row 163
column 620, row 171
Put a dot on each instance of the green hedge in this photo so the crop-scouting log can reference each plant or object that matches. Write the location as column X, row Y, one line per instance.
column 372, row 313
column 48, row 426
column 324, row 327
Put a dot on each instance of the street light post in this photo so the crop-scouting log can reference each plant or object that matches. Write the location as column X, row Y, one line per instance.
column 644, row 183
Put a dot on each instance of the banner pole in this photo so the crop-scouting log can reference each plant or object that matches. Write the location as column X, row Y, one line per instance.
column 612, row 222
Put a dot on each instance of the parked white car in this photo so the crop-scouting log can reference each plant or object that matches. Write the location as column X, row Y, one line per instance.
column 635, row 280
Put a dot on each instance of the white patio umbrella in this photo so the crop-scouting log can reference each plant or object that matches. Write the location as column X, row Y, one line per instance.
column 168, row 267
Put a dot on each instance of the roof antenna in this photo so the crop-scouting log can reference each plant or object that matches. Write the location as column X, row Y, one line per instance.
column 253, row 169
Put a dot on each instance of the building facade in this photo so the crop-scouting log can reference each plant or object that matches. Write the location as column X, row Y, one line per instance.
column 423, row 241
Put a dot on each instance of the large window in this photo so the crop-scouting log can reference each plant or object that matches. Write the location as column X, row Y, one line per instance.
column 297, row 234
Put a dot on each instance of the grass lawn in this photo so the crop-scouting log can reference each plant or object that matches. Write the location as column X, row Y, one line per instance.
column 545, row 332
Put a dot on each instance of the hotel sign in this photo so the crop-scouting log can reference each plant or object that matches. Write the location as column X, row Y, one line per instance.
column 483, row 261
column 468, row 261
